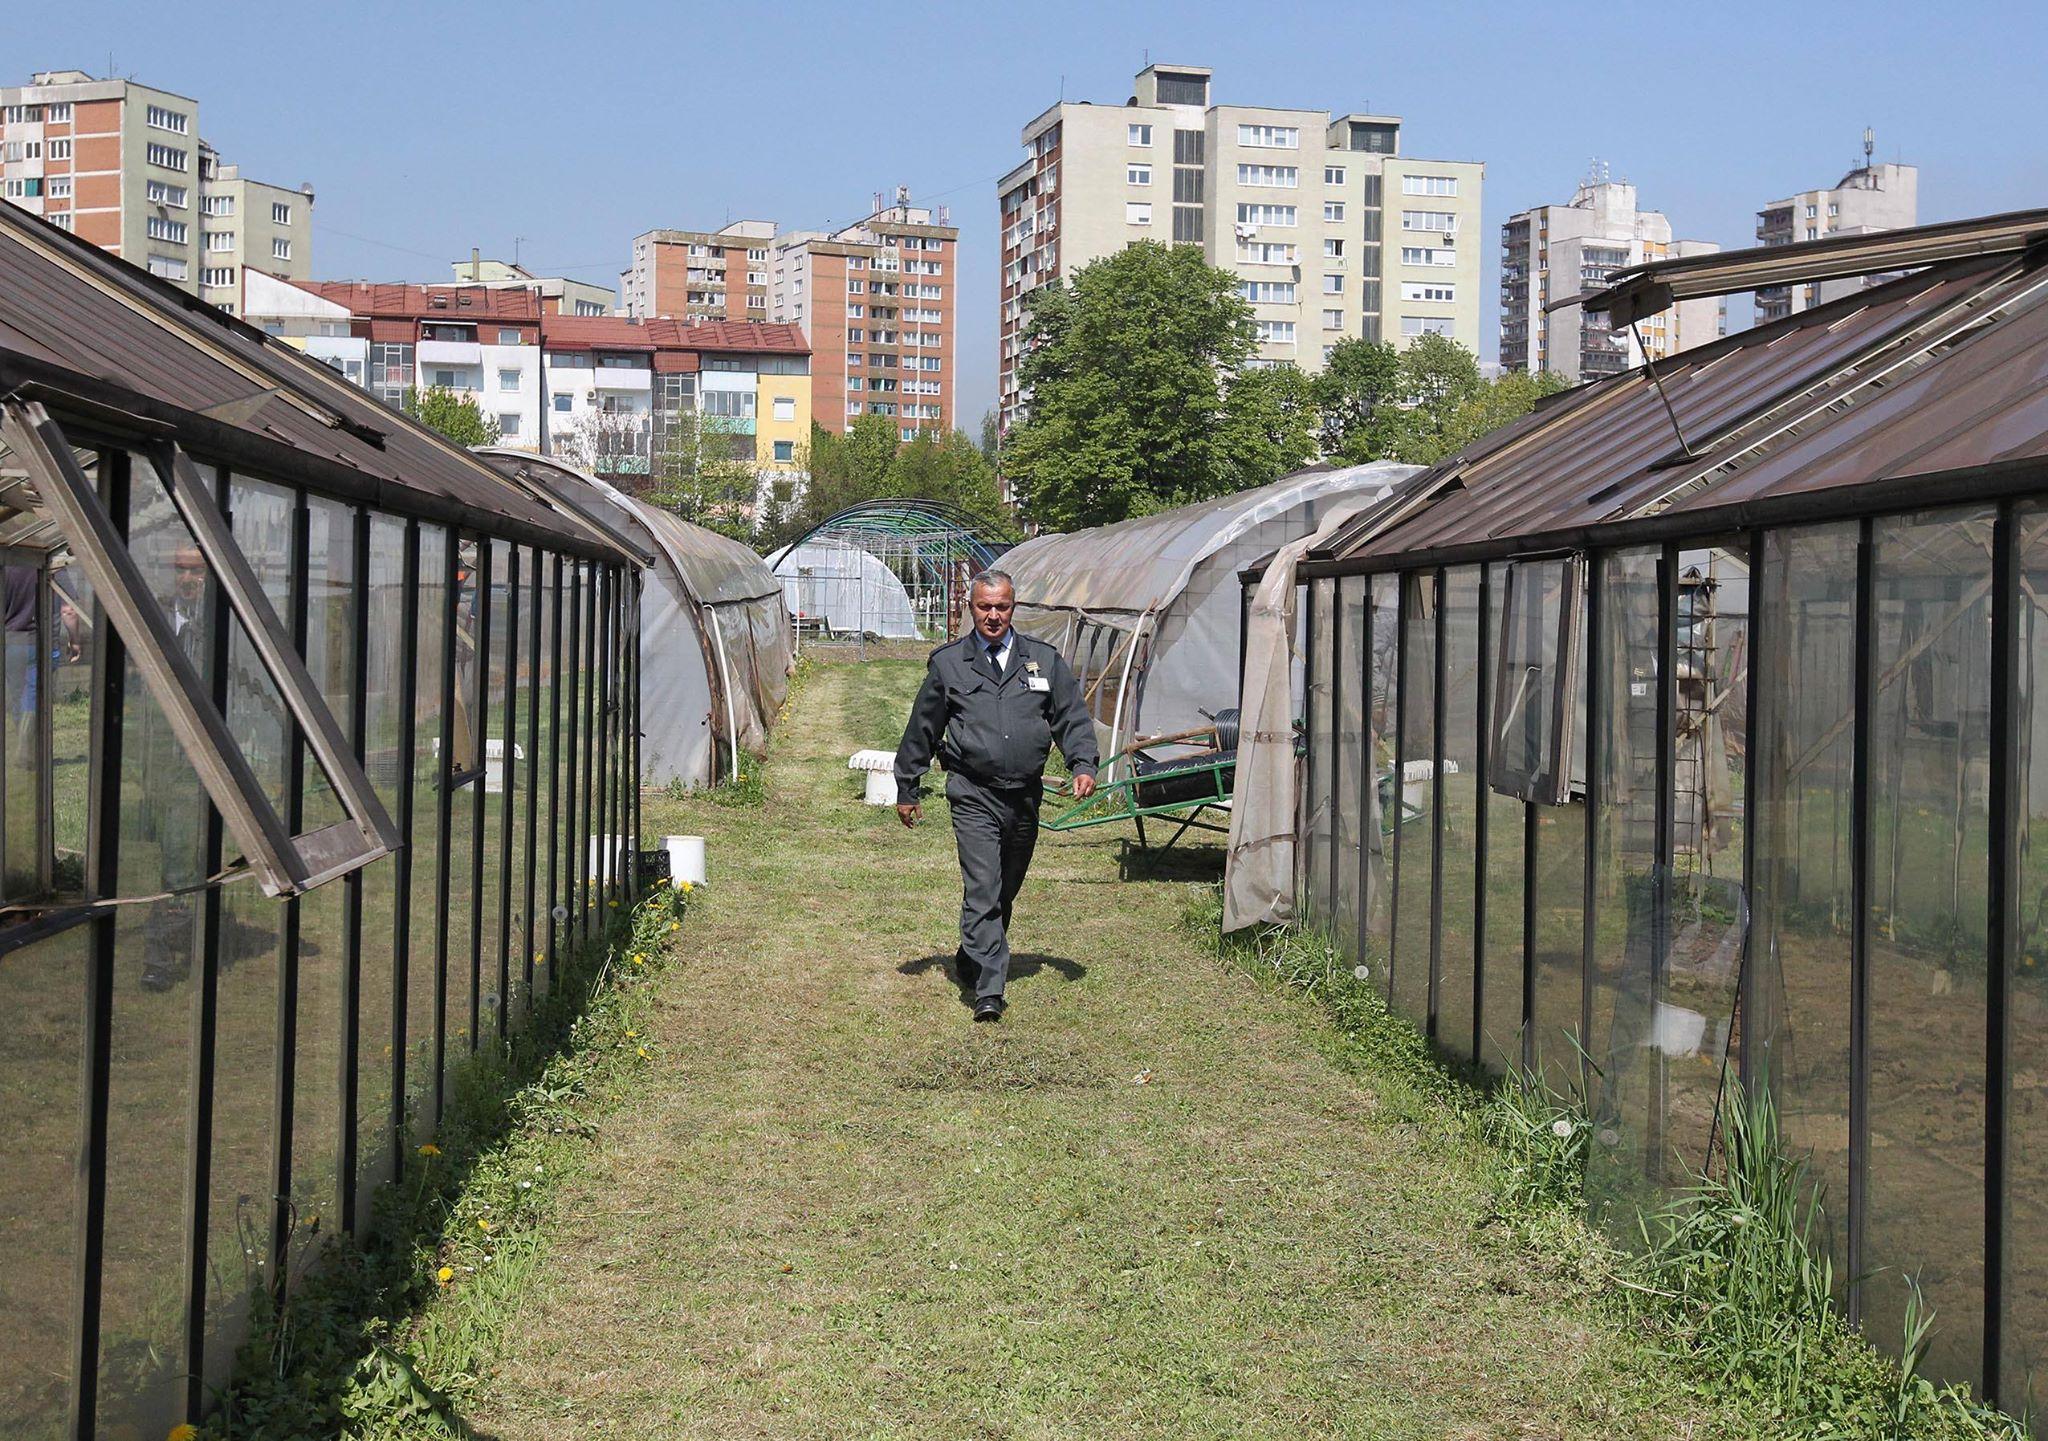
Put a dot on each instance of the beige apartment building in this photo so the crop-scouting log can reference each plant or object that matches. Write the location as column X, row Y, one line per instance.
column 876, row 300
column 1331, row 230
column 121, row 164
column 1874, row 196
column 1551, row 253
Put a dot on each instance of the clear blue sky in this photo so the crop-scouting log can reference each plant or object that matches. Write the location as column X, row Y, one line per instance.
column 430, row 127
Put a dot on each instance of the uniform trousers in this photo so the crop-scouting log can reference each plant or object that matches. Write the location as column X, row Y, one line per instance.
column 996, row 829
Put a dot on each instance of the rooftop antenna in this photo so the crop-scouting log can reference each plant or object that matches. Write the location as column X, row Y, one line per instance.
column 516, row 240
column 1869, row 145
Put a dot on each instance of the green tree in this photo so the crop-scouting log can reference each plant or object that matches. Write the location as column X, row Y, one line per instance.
column 1492, row 405
column 1269, row 426
column 1415, row 405
column 1131, row 369
column 1359, row 384
column 454, row 413
column 697, row 472
column 954, row 470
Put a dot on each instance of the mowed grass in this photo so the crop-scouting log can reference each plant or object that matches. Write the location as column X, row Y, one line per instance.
column 1149, row 1203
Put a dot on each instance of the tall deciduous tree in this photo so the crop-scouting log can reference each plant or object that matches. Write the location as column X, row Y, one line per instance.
column 454, row 413
column 1142, row 392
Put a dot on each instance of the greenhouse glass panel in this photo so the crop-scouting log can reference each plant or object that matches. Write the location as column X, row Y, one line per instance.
column 1805, row 604
column 1462, row 798
column 42, row 1069
column 1412, row 802
column 1348, row 684
column 383, row 703
column 1929, row 856
column 489, row 794
column 1382, row 716
column 1314, row 881
column 423, row 939
column 315, row 1212
column 1560, row 940
column 1500, row 1004
column 2024, row 1366
column 461, row 781
column 1534, row 728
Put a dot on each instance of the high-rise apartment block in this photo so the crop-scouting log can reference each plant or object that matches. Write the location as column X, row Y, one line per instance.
column 1874, row 196
column 121, row 164
column 1330, row 229
column 876, row 300
column 1553, row 252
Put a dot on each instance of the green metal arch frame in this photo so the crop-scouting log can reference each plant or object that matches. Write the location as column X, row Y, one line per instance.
column 947, row 528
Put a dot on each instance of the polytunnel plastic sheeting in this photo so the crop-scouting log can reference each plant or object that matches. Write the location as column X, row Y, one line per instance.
column 1181, row 568
column 851, row 591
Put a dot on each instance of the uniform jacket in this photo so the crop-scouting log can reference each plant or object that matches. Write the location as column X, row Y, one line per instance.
column 994, row 732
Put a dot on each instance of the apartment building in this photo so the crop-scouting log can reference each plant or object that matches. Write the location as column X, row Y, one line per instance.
column 122, row 164
column 606, row 391
column 1552, row 252
column 876, row 300
column 1332, row 231
column 558, row 294
column 244, row 224
column 1874, row 196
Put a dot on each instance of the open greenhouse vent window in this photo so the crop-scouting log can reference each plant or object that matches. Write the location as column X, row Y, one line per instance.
column 1535, row 687
column 284, row 863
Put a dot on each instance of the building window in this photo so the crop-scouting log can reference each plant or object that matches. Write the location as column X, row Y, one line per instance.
column 1440, row 292
column 562, row 402
column 59, row 113
column 59, row 150
column 1137, row 212
column 161, row 194
column 16, row 114
column 1138, row 174
column 61, row 219
column 169, row 157
column 1333, row 249
column 1414, row 325
column 1264, row 252
column 1429, row 185
column 1139, row 134
column 1276, row 332
column 60, row 187
column 280, row 248
column 1427, row 255
column 508, row 380
column 216, row 205
column 1283, row 215
column 170, row 231
column 169, row 267
column 1833, row 209
column 1333, row 211
column 220, row 240
column 785, row 407
column 856, row 287
column 1438, row 220
column 508, row 337
column 171, row 120
column 1267, row 292
column 1333, row 320
column 280, row 213
column 785, row 451
column 1276, row 177
column 1333, row 175
column 218, row 276
column 1269, row 137
column 1333, row 285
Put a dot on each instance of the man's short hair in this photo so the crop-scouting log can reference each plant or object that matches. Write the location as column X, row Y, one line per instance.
column 993, row 580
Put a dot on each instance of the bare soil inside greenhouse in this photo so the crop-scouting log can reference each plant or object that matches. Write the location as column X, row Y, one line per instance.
column 1150, row 1202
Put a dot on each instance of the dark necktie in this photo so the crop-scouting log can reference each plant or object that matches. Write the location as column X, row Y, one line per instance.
column 995, row 661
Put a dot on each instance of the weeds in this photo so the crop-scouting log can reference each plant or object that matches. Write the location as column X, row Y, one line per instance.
column 1732, row 1278
column 381, row 1340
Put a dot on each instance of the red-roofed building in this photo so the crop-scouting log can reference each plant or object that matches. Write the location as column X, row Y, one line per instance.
column 604, row 390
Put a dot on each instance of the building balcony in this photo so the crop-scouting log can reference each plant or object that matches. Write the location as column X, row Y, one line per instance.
column 636, row 378
column 450, row 352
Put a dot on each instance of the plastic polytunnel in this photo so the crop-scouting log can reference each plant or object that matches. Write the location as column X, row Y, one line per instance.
column 714, row 641
column 1149, row 612
column 845, row 589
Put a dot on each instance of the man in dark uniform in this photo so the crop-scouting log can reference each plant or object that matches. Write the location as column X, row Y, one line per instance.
column 999, row 699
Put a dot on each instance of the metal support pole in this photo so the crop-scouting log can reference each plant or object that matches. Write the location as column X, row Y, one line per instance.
column 1368, row 823
column 508, row 770
column 1436, row 806
column 1334, row 787
column 557, row 895
column 531, row 933
column 1859, row 918
column 286, row 1100
column 1597, row 703
column 404, row 819
column 2001, row 929
column 479, row 768
column 1753, row 642
column 352, row 892
column 444, row 813
column 1482, row 759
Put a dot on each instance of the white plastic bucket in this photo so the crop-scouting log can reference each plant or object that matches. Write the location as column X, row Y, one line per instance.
column 685, row 859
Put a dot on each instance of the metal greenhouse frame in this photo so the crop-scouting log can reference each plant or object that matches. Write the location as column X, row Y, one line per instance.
column 320, row 739
column 1694, row 730
column 931, row 550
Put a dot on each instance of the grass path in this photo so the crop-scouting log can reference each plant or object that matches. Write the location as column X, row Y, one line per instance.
column 839, row 1210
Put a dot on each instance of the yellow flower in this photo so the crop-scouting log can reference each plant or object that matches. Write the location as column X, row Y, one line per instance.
column 185, row 1431
column 675, row 925
column 643, row 1053
column 430, row 1149
column 445, row 1275
column 613, row 904
column 687, row 888
column 482, row 1224
column 639, row 960
column 630, row 1035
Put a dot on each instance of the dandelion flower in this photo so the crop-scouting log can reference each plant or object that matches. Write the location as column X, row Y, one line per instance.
column 430, row 1149
column 482, row 1224
column 185, row 1431
column 445, row 1275
column 687, row 888
column 631, row 1034
column 1561, row 1128
column 1361, row 973
column 643, row 1053
column 675, row 925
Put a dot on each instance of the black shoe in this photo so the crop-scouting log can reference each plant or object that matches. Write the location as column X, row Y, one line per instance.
column 989, row 1008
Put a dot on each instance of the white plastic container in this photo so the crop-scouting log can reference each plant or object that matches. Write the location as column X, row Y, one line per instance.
column 881, row 769
column 685, row 859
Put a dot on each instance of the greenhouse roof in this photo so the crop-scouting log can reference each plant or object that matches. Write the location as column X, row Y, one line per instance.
column 928, row 526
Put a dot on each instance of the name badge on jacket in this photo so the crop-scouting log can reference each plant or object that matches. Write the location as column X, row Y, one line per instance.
column 1037, row 682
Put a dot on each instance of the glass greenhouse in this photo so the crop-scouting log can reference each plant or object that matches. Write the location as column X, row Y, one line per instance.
column 309, row 716
column 1689, row 730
